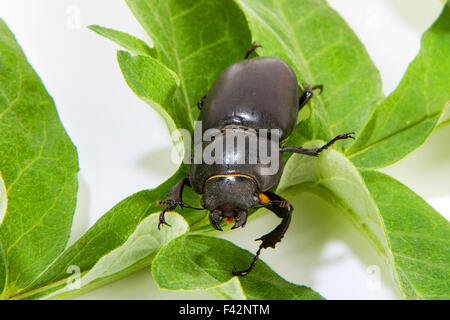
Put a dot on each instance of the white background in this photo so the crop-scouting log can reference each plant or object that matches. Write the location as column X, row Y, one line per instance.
column 124, row 147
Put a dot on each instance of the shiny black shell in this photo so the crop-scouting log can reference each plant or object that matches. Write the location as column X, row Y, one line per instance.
column 257, row 93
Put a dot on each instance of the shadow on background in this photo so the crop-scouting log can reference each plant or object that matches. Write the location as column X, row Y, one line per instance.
column 80, row 222
column 428, row 168
column 159, row 162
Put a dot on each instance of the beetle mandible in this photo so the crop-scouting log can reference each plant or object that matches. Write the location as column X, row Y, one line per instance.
column 250, row 95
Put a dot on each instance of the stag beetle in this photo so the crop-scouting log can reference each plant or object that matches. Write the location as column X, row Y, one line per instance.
column 253, row 94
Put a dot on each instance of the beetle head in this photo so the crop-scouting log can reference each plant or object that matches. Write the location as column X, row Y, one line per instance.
column 228, row 198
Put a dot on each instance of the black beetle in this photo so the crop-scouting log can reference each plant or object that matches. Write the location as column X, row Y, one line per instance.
column 256, row 93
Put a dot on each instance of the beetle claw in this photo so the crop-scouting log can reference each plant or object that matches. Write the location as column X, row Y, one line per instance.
column 241, row 219
column 348, row 135
column 170, row 205
column 215, row 218
column 311, row 88
column 162, row 220
column 216, row 225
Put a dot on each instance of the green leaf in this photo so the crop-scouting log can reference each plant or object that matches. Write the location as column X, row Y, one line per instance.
column 136, row 252
column 110, row 232
column 135, row 45
column 406, row 118
column 196, row 262
column 445, row 119
column 197, row 40
column 322, row 49
column 3, row 267
column 39, row 166
column 412, row 237
column 334, row 178
column 419, row 238
column 151, row 81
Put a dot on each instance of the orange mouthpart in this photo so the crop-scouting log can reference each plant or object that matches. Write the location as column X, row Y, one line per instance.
column 229, row 220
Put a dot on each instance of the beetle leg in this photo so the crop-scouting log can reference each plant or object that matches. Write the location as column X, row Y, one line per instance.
column 308, row 94
column 315, row 152
column 283, row 209
column 201, row 101
column 241, row 219
column 215, row 219
column 251, row 49
column 174, row 199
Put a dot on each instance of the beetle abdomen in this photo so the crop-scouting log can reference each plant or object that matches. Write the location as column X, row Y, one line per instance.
column 258, row 93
